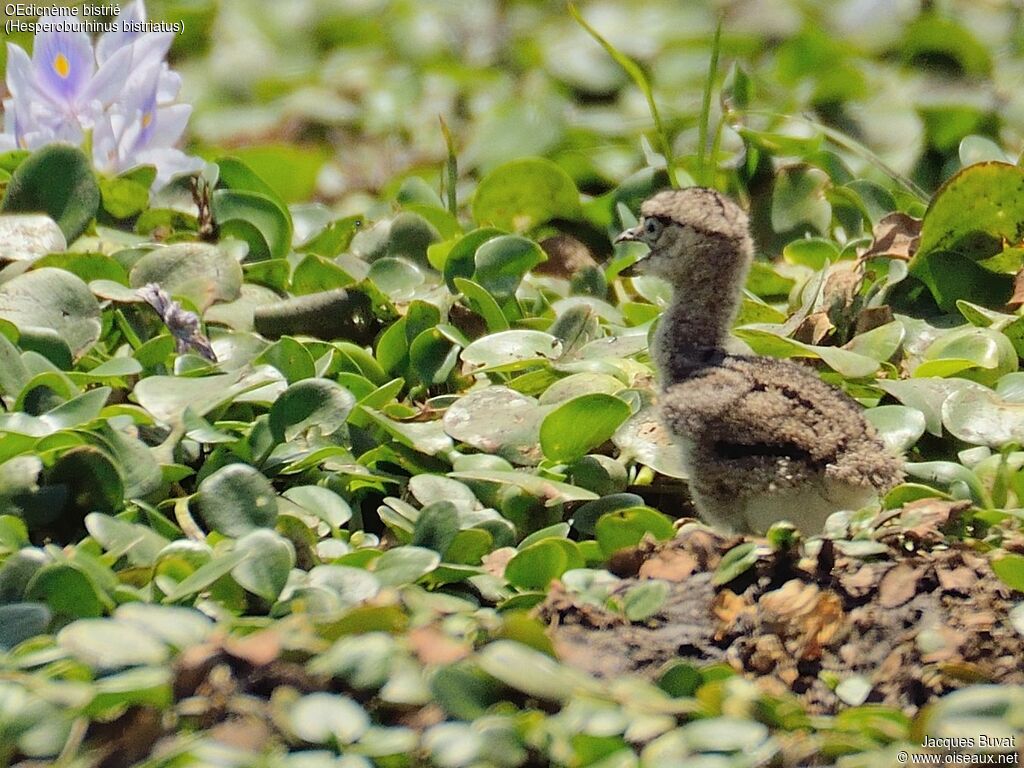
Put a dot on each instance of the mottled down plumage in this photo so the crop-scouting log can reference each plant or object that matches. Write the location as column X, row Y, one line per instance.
column 764, row 439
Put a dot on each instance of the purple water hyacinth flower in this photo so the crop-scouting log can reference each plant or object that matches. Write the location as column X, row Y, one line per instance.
column 121, row 94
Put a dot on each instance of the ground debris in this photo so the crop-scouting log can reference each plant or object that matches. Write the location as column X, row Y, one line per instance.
column 915, row 624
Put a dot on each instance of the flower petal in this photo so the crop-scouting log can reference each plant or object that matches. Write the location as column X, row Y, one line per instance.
column 62, row 60
column 120, row 36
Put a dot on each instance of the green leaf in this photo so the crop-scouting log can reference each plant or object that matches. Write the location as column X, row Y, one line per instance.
column 512, row 346
column 21, row 621
column 120, row 538
column 899, row 427
column 481, row 302
column 334, row 239
column 320, row 502
column 979, row 354
column 327, row 718
column 532, row 672
column 200, row 272
column 969, row 219
column 736, row 562
column 107, row 644
column 500, row 421
column 432, row 356
column 799, row 200
column 521, row 194
column 255, row 219
column 29, row 237
column 645, row 599
column 317, row 273
column 205, row 575
column 436, row 527
column 850, row 364
column 67, row 590
column 980, row 417
column 53, row 300
column 288, row 169
column 269, row 560
column 501, row 263
column 56, row 180
column 167, row 397
column 127, row 195
column 579, row 425
column 1010, row 568
column 535, row 566
column 551, row 492
column 311, row 404
column 461, row 259
column 626, row 527
column 236, row 500
column 404, row 565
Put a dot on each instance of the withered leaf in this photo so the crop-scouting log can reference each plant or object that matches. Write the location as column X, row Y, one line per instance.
column 669, row 565
column 896, row 236
column 899, row 585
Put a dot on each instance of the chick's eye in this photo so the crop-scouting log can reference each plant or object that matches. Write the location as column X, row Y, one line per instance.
column 652, row 228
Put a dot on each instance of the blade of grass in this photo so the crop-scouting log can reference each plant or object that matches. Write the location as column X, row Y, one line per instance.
column 637, row 74
column 705, row 111
column 452, row 166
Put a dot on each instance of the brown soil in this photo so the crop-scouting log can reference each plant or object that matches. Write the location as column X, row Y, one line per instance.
column 921, row 619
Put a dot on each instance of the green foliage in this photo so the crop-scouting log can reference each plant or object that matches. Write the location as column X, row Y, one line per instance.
column 433, row 401
column 57, row 181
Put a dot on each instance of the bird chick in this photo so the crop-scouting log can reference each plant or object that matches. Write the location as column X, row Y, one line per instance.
column 764, row 439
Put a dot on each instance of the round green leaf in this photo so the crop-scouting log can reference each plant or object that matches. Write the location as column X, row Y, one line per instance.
column 535, row 566
column 54, row 300
column 29, row 237
column 327, row 718
column 433, row 356
column 626, row 527
column 502, row 261
column 980, row 417
column 56, row 180
column 971, row 216
column 499, row 421
column 979, row 354
column 461, row 259
column 899, row 426
column 512, row 346
column 575, row 427
column 404, row 565
column 201, row 272
column 321, row 502
column 256, row 219
column 20, row 621
column 67, row 590
column 645, row 599
column 236, row 499
column 107, row 644
column 310, row 404
column 265, row 570
column 521, row 194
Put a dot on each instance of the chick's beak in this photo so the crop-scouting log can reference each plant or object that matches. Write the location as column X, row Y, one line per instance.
column 629, row 235
column 632, row 236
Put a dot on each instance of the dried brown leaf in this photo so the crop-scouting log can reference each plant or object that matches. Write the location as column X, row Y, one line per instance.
column 432, row 646
column 899, row 585
column 896, row 236
column 669, row 565
column 727, row 608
